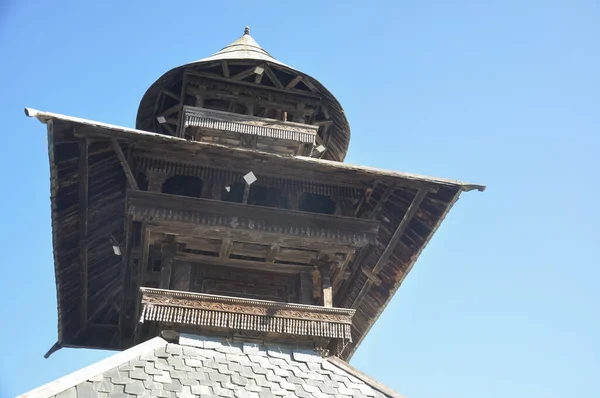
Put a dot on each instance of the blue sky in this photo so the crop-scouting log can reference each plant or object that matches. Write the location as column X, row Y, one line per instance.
column 503, row 302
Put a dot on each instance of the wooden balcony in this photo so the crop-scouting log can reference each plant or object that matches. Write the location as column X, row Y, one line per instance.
column 234, row 129
column 194, row 310
column 180, row 215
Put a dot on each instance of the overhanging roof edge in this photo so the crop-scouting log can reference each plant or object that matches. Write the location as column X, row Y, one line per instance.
column 44, row 117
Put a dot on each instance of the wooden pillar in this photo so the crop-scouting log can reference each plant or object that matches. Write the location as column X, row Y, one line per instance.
column 156, row 179
column 168, row 255
column 327, row 289
column 216, row 187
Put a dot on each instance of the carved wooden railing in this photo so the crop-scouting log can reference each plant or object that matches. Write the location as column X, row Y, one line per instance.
column 197, row 310
column 206, row 213
column 244, row 124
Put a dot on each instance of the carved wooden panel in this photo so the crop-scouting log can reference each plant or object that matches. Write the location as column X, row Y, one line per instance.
column 244, row 283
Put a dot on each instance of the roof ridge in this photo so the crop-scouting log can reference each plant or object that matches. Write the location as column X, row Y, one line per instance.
column 79, row 376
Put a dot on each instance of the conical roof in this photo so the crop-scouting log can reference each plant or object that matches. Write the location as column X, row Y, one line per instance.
column 246, row 50
column 243, row 48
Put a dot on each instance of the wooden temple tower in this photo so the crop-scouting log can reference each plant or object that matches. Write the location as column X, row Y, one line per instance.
column 228, row 212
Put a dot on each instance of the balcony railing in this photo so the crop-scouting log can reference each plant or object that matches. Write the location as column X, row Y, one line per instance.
column 209, row 119
column 207, row 310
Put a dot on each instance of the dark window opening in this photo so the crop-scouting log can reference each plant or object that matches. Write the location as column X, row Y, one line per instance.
column 142, row 181
column 315, row 203
column 183, row 186
column 263, row 196
column 272, row 114
column 239, row 108
column 217, row 104
column 234, row 194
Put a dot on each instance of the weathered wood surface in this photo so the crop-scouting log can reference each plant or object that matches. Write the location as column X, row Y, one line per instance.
column 106, row 205
column 203, row 213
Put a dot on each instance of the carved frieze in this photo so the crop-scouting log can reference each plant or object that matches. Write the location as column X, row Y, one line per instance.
column 244, row 314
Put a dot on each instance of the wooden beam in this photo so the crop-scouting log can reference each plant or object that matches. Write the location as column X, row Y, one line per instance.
column 323, row 122
column 248, row 72
column 170, row 94
column 273, row 250
column 379, row 205
column 83, row 229
column 310, row 86
column 244, row 264
column 371, row 276
column 273, row 77
column 125, row 165
column 294, row 82
column 168, row 128
column 170, row 111
column 307, row 94
column 246, row 194
column 226, row 246
column 125, row 271
column 180, row 106
column 225, row 68
column 387, row 252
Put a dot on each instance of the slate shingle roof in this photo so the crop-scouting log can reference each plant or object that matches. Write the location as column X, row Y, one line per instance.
column 207, row 367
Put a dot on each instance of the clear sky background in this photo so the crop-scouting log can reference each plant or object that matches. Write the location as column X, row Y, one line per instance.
column 503, row 302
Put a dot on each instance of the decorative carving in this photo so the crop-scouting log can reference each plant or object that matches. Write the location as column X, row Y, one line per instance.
column 244, row 314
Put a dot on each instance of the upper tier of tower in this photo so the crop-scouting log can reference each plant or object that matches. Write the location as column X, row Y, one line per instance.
column 242, row 96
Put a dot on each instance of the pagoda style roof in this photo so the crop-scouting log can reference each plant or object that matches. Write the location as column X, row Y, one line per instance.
column 230, row 64
column 192, row 365
column 408, row 207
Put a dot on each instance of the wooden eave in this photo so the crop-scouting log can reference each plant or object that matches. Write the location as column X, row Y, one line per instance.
column 368, row 282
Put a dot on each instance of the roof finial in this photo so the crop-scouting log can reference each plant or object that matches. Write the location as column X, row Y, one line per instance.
column 247, row 30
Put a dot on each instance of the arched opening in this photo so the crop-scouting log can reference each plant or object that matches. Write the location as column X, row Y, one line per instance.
column 235, row 193
column 263, row 196
column 315, row 203
column 183, row 186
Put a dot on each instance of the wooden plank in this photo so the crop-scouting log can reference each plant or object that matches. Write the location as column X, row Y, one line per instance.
column 272, row 77
column 244, row 264
column 226, row 246
column 83, row 229
column 293, row 82
column 225, row 68
column 125, row 165
column 387, row 252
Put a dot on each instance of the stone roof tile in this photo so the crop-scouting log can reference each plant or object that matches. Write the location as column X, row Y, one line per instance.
column 201, row 366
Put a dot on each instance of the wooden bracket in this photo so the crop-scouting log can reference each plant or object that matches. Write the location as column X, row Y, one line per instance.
column 125, row 165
